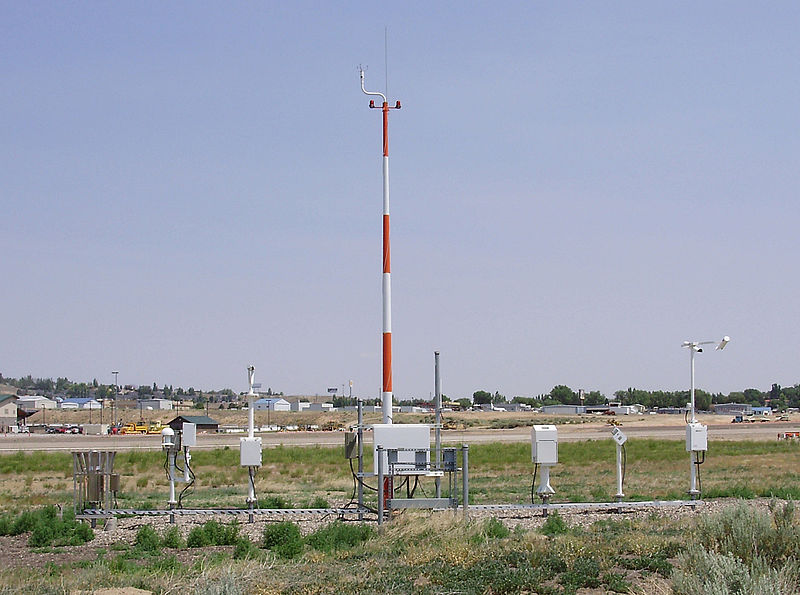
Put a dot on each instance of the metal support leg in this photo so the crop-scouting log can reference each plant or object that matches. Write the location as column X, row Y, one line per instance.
column 465, row 478
column 379, row 454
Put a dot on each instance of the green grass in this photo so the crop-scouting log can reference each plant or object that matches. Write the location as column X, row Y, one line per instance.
column 499, row 473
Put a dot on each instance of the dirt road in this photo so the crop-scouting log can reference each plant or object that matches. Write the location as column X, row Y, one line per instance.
column 672, row 429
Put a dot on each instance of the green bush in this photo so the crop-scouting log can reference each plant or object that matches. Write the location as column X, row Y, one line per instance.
column 245, row 549
column 198, row 537
column 319, row 502
column 339, row 535
column 213, row 533
column 554, row 525
column 172, row 538
column 495, row 529
column 283, row 539
column 274, row 502
column 147, row 539
column 46, row 528
column 6, row 525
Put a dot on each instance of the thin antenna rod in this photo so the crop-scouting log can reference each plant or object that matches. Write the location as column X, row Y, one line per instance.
column 386, row 389
column 386, row 57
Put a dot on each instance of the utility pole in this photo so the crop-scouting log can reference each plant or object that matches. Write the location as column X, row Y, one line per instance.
column 386, row 389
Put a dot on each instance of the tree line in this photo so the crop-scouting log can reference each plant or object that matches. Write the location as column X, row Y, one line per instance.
column 777, row 397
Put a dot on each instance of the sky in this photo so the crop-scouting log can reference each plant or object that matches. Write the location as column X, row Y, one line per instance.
column 188, row 188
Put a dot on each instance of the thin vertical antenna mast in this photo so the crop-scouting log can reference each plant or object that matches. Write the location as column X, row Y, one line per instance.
column 386, row 388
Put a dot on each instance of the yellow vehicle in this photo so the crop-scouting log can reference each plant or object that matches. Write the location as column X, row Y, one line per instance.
column 129, row 428
column 155, row 428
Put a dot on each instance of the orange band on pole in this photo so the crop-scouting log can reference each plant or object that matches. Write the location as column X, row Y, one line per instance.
column 387, row 362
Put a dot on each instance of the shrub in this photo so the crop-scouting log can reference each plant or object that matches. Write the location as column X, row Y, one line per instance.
column 284, row 539
column 198, row 537
column 147, row 539
column 275, row 502
column 319, row 502
column 554, row 525
column 172, row 538
column 495, row 529
column 339, row 535
column 6, row 525
column 213, row 533
column 245, row 549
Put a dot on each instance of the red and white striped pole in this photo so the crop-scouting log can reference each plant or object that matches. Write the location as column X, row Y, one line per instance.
column 386, row 391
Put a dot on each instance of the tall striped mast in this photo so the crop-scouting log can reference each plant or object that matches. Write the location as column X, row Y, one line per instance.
column 386, row 390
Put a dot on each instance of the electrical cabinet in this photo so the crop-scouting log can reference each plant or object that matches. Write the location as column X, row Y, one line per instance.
column 189, row 437
column 544, row 445
column 696, row 437
column 250, row 452
column 409, row 438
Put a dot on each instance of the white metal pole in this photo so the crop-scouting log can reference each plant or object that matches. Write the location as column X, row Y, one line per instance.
column 692, row 349
column 619, row 496
column 438, row 423
column 171, row 456
column 251, row 376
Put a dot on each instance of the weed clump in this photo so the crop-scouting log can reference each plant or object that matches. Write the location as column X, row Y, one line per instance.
column 338, row 536
column 147, row 540
column 213, row 533
column 554, row 525
column 283, row 539
column 172, row 538
column 47, row 528
column 742, row 550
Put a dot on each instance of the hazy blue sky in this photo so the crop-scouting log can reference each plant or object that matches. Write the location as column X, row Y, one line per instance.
column 576, row 188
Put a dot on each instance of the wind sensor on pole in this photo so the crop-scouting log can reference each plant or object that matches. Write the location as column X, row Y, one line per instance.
column 386, row 390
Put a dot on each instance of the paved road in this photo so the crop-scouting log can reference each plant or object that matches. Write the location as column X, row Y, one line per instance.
column 566, row 433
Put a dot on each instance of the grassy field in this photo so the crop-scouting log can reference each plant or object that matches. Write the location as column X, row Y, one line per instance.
column 744, row 548
column 499, row 473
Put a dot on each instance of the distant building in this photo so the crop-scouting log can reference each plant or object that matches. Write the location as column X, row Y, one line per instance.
column 203, row 423
column 299, row 405
column 762, row 410
column 36, row 402
column 156, row 404
column 563, row 409
column 8, row 412
column 320, row 407
column 80, row 403
column 733, row 409
column 271, row 404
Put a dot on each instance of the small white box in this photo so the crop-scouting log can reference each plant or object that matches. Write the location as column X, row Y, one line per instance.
column 189, row 434
column 618, row 435
column 696, row 437
column 544, row 445
column 406, row 436
column 250, row 452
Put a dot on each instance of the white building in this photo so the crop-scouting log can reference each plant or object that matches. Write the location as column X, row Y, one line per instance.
column 299, row 405
column 156, row 404
column 36, row 402
column 271, row 404
column 80, row 403
column 320, row 406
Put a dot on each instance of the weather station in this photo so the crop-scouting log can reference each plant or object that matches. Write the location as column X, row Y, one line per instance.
column 697, row 433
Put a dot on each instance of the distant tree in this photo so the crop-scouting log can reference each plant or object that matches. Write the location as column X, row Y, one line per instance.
column 464, row 402
column 498, row 398
column 95, row 384
column 481, row 397
column 564, row 394
column 191, row 391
